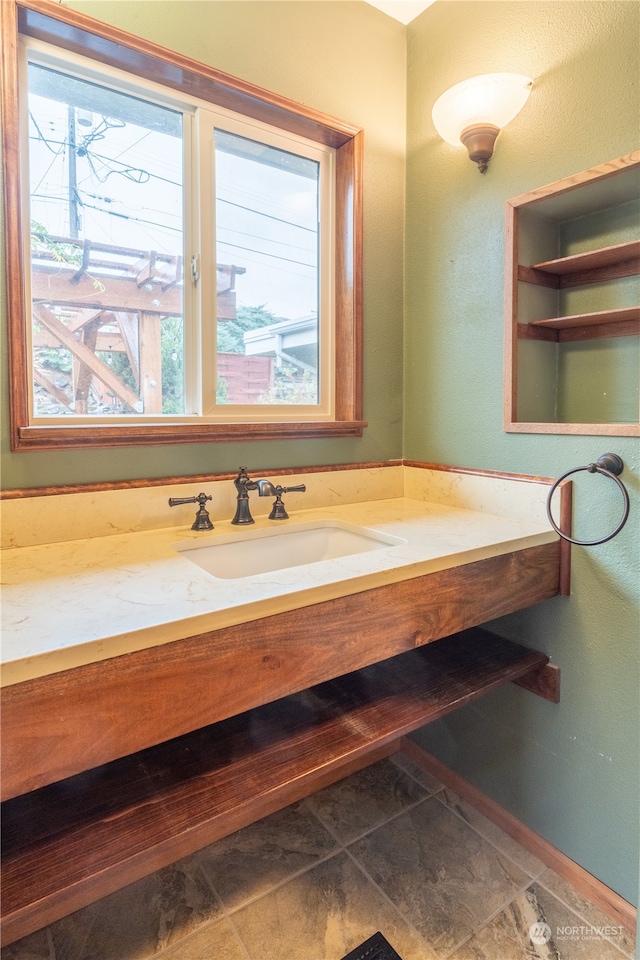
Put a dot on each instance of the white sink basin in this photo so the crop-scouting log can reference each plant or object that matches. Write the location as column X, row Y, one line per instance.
column 249, row 552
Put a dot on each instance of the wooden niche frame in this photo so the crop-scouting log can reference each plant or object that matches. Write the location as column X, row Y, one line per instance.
column 80, row 34
column 531, row 224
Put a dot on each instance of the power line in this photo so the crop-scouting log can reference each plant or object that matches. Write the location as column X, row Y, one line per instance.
column 126, row 216
column 134, row 174
column 253, row 236
column 270, row 216
column 263, row 253
column 61, row 143
column 162, row 226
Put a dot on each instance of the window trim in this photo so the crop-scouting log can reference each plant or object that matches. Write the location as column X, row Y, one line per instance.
column 83, row 35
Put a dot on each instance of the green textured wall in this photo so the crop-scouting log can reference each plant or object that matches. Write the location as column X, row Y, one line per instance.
column 569, row 771
column 345, row 59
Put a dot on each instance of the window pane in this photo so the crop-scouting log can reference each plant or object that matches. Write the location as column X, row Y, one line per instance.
column 267, row 254
column 106, row 174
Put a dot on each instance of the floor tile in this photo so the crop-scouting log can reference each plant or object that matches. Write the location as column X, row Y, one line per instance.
column 587, row 910
column 365, row 799
column 323, row 914
column 216, row 941
column 427, row 780
column 445, row 878
column 37, row 946
column 134, row 923
column 536, row 926
column 493, row 833
column 249, row 863
column 438, row 879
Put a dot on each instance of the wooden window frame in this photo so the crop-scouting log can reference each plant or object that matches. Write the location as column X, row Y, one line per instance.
column 83, row 35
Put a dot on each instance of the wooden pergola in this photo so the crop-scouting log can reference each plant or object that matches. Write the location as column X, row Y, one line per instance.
column 112, row 301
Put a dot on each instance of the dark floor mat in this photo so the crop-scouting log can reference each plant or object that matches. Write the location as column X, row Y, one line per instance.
column 375, row 948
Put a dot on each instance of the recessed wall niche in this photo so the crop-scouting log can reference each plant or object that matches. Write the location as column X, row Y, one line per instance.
column 572, row 295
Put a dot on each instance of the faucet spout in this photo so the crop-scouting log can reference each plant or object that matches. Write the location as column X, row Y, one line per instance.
column 244, row 483
column 266, row 488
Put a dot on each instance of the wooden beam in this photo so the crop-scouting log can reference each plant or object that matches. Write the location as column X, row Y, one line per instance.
column 177, row 276
column 148, row 272
column 83, row 373
column 128, row 324
column 78, row 349
column 51, row 388
column 82, row 317
column 150, row 363
column 544, row 681
column 53, row 285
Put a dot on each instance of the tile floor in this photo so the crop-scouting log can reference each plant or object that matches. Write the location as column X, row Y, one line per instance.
column 388, row 849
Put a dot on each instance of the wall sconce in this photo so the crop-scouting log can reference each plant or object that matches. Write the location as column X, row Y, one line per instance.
column 473, row 112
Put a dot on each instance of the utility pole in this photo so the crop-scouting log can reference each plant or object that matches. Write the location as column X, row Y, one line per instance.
column 74, row 218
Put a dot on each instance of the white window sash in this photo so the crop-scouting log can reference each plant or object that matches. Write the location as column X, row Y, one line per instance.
column 200, row 121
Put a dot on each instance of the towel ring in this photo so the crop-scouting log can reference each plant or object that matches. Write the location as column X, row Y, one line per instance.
column 609, row 465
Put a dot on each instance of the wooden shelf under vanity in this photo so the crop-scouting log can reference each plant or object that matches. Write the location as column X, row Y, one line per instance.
column 79, row 839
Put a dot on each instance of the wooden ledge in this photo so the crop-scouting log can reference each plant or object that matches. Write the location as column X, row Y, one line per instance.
column 73, row 842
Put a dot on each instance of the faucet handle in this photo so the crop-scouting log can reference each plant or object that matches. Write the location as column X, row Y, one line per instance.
column 202, row 520
column 278, row 511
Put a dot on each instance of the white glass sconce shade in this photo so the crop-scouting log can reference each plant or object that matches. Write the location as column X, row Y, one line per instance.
column 480, row 106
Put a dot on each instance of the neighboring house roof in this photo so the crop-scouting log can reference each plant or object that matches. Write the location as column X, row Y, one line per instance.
column 294, row 341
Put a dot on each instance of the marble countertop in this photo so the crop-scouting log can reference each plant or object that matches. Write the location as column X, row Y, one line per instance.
column 81, row 601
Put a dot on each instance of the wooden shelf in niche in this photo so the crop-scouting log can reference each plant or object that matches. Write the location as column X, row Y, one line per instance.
column 579, row 269
column 75, row 841
column 622, row 322
column 544, row 389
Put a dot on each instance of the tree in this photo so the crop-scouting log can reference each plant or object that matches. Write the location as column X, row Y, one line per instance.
column 172, row 352
column 231, row 332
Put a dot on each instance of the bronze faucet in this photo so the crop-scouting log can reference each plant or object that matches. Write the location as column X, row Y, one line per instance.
column 244, row 483
column 202, row 520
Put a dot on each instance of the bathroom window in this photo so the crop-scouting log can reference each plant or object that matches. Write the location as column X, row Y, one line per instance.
column 191, row 272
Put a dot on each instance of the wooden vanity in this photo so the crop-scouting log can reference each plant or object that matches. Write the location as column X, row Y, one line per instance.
column 114, row 769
